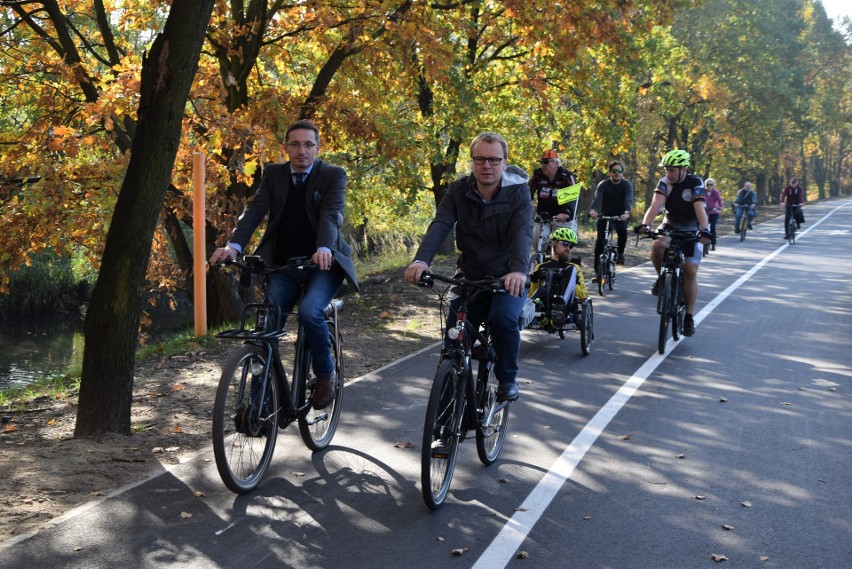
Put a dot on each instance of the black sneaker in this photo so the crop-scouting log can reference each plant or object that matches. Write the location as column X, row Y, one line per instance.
column 655, row 288
column 508, row 391
column 619, row 260
column 688, row 326
column 750, row 227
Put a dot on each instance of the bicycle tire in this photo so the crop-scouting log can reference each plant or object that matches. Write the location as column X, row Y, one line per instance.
column 586, row 325
column 665, row 313
column 317, row 426
column 791, row 230
column 535, row 260
column 491, row 433
column 243, row 439
column 610, row 277
column 678, row 308
column 743, row 226
column 602, row 264
column 440, row 443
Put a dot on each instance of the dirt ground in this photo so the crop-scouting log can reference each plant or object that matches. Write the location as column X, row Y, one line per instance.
column 46, row 472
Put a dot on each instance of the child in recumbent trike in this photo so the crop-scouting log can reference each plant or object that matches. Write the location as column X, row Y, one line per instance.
column 558, row 286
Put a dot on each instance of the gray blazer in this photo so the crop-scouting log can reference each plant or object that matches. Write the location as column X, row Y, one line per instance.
column 325, row 201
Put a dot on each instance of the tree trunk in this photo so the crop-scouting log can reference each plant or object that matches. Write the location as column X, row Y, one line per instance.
column 112, row 319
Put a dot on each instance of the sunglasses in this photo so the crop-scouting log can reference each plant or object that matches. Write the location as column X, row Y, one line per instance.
column 546, row 160
column 616, row 171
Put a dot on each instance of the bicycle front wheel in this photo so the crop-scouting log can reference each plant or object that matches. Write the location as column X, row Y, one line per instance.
column 610, row 272
column 245, row 422
column 602, row 273
column 791, row 231
column 678, row 308
column 317, row 426
column 665, row 305
column 743, row 226
column 495, row 422
column 586, row 325
column 440, row 443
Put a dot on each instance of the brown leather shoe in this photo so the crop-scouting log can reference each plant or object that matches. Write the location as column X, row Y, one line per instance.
column 323, row 392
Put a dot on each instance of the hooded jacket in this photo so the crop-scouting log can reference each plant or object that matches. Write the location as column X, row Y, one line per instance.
column 494, row 238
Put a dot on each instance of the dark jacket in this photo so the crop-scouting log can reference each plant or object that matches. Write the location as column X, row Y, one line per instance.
column 547, row 204
column 494, row 238
column 325, row 199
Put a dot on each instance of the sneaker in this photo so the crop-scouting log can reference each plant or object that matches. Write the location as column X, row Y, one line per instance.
column 323, row 392
column 713, row 247
column 508, row 391
column 688, row 326
column 594, row 279
column 619, row 260
column 655, row 288
column 737, row 230
column 749, row 226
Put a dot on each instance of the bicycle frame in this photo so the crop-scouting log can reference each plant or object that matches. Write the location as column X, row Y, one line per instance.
column 269, row 327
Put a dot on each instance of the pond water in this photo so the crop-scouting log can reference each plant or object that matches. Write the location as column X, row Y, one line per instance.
column 34, row 346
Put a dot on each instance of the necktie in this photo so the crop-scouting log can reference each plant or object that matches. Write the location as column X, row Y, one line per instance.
column 299, row 178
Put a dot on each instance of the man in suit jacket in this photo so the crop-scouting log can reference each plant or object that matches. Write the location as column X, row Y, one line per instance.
column 304, row 201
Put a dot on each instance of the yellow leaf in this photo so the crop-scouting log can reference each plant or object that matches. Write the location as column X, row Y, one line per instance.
column 250, row 167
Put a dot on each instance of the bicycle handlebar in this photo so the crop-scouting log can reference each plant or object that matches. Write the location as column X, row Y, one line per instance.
column 256, row 264
column 494, row 284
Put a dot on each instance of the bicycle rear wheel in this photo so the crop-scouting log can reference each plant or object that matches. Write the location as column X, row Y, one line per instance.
column 586, row 325
column 317, row 426
column 244, row 433
column 495, row 421
column 665, row 304
column 791, row 230
column 440, row 444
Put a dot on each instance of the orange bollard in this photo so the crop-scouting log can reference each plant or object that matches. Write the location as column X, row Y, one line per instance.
column 199, row 253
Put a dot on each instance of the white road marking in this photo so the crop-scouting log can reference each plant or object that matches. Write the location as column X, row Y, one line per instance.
column 511, row 537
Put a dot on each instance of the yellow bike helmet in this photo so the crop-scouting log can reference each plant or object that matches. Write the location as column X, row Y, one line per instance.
column 564, row 234
column 676, row 159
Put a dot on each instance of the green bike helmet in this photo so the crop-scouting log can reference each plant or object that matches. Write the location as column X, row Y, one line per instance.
column 676, row 159
column 564, row 234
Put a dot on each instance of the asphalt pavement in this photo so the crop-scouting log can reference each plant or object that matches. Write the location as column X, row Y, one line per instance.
column 733, row 447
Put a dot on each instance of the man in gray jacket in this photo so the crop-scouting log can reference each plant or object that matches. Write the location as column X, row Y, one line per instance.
column 492, row 216
column 304, row 200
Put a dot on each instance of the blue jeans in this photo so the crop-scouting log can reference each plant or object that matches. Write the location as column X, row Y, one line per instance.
column 320, row 287
column 751, row 214
column 502, row 311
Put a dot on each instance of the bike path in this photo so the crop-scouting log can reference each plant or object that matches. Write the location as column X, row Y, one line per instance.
column 358, row 503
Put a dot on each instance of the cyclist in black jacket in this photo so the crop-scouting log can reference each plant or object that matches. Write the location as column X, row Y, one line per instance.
column 682, row 196
column 491, row 213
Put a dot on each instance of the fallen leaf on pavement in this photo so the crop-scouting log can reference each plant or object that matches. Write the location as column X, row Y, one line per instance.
column 460, row 551
column 199, row 494
column 746, row 504
column 185, row 515
column 727, row 527
column 522, row 555
column 700, row 497
column 404, row 445
column 718, row 557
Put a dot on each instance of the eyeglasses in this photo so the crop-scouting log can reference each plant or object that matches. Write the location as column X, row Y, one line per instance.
column 546, row 160
column 616, row 171
column 709, row 184
column 493, row 160
column 296, row 145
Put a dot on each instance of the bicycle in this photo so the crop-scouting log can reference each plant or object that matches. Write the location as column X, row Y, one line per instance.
column 606, row 261
column 541, row 242
column 461, row 400
column 254, row 399
column 671, row 299
column 553, row 316
column 744, row 220
column 793, row 225
column 542, row 227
